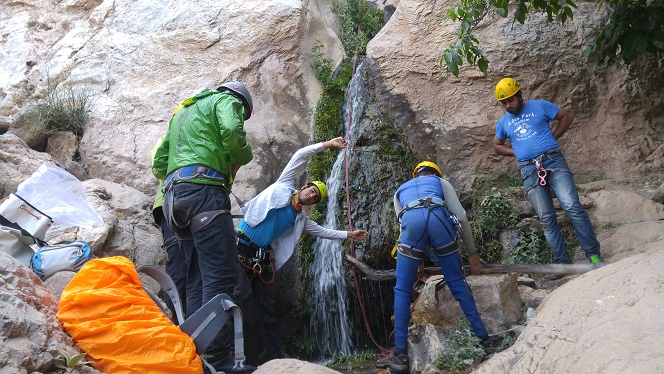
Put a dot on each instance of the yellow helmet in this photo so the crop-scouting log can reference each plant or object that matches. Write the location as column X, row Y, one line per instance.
column 507, row 87
column 322, row 188
column 427, row 164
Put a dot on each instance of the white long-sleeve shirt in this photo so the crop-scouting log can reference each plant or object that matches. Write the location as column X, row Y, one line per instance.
column 279, row 195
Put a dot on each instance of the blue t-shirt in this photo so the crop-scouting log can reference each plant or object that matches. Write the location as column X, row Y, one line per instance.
column 275, row 223
column 529, row 131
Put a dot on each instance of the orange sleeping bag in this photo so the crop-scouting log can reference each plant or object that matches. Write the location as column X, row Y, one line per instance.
column 111, row 318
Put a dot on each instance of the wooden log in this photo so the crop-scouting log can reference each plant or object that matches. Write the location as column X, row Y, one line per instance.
column 563, row 269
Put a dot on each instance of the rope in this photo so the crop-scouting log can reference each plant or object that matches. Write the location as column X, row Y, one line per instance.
column 350, row 219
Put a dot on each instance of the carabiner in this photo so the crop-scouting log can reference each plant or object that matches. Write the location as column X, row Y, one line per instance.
column 258, row 269
column 542, row 177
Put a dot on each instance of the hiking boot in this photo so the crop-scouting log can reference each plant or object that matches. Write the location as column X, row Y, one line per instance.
column 398, row 364
column 596, row 259
column 490, row 348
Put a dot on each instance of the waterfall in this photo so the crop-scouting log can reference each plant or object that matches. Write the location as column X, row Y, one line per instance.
column 330, row 324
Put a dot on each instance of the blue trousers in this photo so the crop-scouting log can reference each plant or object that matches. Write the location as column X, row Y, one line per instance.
column 559, row 180
column 452, row 269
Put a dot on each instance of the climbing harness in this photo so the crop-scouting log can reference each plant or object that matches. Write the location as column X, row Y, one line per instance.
column 542, row 172
column 192, row 172
column 200, row 220
column 432, row 203
column 256, row 260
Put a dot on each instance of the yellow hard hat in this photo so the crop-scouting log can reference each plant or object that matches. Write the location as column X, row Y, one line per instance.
column 322, row 188
column 507, row 87
column 427, row 164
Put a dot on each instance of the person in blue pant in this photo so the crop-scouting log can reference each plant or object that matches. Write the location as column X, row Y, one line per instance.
column 430, row 213
column 543, row 167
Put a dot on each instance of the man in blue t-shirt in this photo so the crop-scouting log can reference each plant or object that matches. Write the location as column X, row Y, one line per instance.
column 543, row 167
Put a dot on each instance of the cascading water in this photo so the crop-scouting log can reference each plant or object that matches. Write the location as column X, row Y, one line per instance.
column 330, row 324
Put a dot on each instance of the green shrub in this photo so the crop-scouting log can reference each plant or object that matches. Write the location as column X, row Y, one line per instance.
column 69, row 359
column 353, row 13
column 529, row 249
column 464, row 345
column 63, row 108
column 493, row 215
column 344, row 360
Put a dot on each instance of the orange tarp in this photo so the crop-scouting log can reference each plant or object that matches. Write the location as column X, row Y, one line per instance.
column 113, row 320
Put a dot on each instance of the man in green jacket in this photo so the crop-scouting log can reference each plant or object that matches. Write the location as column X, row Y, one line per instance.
column 201, row 152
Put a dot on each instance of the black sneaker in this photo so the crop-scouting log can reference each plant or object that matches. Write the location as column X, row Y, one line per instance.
column 398, row 364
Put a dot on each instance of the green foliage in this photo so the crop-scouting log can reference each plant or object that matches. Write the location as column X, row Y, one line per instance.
column 302, row 347
column 610, row 225
column 569, row 235
column 69, row 359
column 63, row 108
column 494, row 215
column 491, row 252
column 464, row 345
column 529, row 249
column 305, row 246
column 328, row 117
column 353, row 13
column 634, row 27
column 344, row 360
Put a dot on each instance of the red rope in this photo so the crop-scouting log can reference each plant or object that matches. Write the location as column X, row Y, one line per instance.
column 350, row 219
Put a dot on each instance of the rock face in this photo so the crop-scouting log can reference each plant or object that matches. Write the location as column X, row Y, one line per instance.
column 137, row 60
column 31, row 335
column 606, row 321
column 618, row 111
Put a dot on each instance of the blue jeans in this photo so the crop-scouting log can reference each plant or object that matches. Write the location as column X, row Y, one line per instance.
column 452, row 269
column 213, row 249
column 559, row 179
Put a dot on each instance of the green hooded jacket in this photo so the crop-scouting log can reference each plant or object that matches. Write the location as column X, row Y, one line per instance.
column 207, row 129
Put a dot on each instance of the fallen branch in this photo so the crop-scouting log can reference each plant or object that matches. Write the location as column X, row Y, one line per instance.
column 563, row 269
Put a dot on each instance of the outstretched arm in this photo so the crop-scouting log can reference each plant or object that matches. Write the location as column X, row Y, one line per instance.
column 303, row 155
column 357, row 234
column 312, row 228
column 336, row 143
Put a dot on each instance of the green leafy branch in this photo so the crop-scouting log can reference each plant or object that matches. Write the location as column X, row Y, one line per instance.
column 635, row 26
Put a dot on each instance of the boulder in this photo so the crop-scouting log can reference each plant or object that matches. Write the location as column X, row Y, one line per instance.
column 497, row 298
column 608, row 320
column 31, row 336
column 292, row 366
